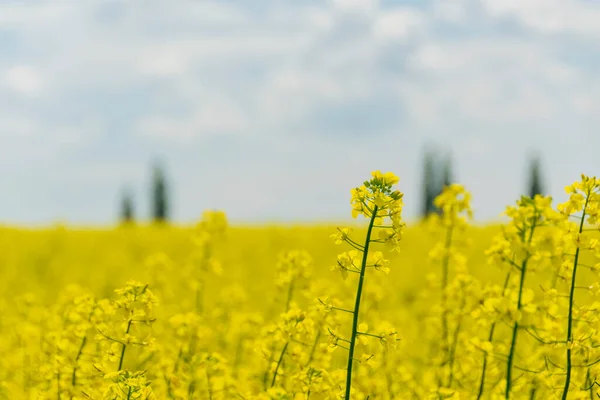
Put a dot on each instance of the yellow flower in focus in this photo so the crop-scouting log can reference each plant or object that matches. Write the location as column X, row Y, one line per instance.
column 386, row 179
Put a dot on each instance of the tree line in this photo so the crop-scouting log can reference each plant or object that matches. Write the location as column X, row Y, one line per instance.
column 159, row 199
column 437, row 173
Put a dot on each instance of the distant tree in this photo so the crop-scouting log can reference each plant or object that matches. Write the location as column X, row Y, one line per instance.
column 437, row 173
column 127, row 208
column 429, row 184
column 535, row 179
column 160, row 201
column 447, row 178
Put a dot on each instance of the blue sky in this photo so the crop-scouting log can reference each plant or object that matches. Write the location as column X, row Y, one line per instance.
column 273, row 110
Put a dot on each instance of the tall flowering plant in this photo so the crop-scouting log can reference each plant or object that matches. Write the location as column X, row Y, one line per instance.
column 381, row 205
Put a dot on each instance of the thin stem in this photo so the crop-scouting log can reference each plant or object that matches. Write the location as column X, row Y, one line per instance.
column 266, row 373
column 571, row 299
column 314, row 346
column 513, row 344
column 79, row 353
column 485, row 361
column 354, row 244
column 588, row 381
column 454, row 346
column 238, row 356
column 335, row 308
column 445, row 278
column 124, row 346
column 169, row 386
column 289, row 296
column 279, row 363
column 369, row 334
column 208, row 384
column 357, row 306
column 490, row 339
column 532, row 393
column 191, row 388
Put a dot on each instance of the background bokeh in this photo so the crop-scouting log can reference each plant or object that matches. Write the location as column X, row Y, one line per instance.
column 271, row 110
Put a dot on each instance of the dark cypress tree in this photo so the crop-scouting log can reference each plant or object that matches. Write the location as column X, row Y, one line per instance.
column 127, row 208
column 447, row 178
column 160, row 201
column 442, row 177
column 428, row 184
column 535, row 179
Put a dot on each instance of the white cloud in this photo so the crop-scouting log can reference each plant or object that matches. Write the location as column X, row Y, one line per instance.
column 163, row 63
column 551, row 16
column 27, row 15
column 13, row 126
column 356, row 6
column 213, row 118
column 454, row 11
column 23, row 79
column 499, row 81
column 397, row 24
column 320, row 20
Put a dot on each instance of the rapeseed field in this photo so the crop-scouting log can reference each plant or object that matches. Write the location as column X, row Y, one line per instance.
column 440, row 309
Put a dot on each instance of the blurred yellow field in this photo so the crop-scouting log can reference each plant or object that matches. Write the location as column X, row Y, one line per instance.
column 226, row 312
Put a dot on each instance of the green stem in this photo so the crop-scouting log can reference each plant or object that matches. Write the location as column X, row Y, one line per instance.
column 454, row 346
column 192, row 348
column 289, row 296
column 485, row 361
column 532, row 393
column 357, row 306
column 266, row 373
column 571, row 298
column 79, row 353
column 314, row 346
column 169, row 386
column 191, row 388
column 208, row 384
column 445, row 278
column 124, row 346
column 238, row 355
column 490, row 339
column 279, row 363
column 178, row 360
column 513, row 344
column 555, row 278
column 589, row 383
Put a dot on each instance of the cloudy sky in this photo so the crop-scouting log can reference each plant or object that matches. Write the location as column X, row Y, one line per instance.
column 272, row 110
